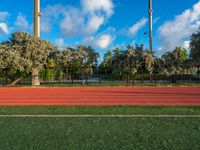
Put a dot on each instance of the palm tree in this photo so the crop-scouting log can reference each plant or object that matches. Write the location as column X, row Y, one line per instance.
column 195, row 46
column 108, row 57
column 169, row 62
column 195, row 49
column 92, row 59
column 179, row 55
column 117, row 58
column 140, row 55
column 107, row 61
column 129, row 63
column 159, row 65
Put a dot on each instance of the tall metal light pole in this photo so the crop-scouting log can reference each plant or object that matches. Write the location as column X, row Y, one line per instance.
column 150, row 26
column 37, row 15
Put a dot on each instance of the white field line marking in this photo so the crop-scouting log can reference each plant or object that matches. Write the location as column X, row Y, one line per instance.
column 99, row 116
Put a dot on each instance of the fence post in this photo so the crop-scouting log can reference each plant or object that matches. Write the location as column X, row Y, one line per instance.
column 6, row 76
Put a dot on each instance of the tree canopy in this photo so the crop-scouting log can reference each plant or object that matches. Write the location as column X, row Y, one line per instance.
column 195, row 46
column 22, row 52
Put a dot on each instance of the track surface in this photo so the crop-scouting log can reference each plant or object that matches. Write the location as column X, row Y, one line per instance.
column 70, row 96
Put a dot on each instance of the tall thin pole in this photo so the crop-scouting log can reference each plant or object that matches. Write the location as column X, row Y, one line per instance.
column 150, row 26
column 37, row 15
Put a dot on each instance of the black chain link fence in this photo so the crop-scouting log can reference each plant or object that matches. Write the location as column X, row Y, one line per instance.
column 84, row 76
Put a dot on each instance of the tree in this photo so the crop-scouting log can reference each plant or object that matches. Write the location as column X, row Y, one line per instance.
column 24, row 53
column 130, row 64
column 140, row 57
column 11, row 63
column 179, row 55
column 116, row 60
column 108, row 57
column 159, row 65
column 195, row 46
column 195, row 49
column 149, row 62
column 67, row 59
column 107, row 61
column 53, row 61
column 174, row 60
column 168, row 62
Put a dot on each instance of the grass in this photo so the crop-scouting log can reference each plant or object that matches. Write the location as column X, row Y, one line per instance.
column 83, row 110
column 99, row 133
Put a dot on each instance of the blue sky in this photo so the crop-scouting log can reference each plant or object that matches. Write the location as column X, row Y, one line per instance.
column 105, row 24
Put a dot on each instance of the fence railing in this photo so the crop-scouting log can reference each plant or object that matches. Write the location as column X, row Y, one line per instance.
column 103, row 79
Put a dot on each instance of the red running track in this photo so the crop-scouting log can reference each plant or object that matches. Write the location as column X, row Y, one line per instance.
column 72, row 96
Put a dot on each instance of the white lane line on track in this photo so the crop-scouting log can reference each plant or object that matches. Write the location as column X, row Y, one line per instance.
column 99, row 116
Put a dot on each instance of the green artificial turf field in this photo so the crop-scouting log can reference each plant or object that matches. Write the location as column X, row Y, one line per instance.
column 98, row 132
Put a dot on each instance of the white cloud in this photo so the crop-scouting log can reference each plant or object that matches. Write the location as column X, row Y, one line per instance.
column 94, row 24
column 21, row 22
column 98, row 6
column 75, row 21
column 3, row 28
column 102, row 42
column 173, row 33
column 50, row 16
column 186, row 44
column 136, row 27
column 60, row 43
column 4, row 15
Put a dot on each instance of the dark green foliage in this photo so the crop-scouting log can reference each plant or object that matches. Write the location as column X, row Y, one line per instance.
column 195, row 46
column 23, row 52
column 174, row 60
column 126, row 63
